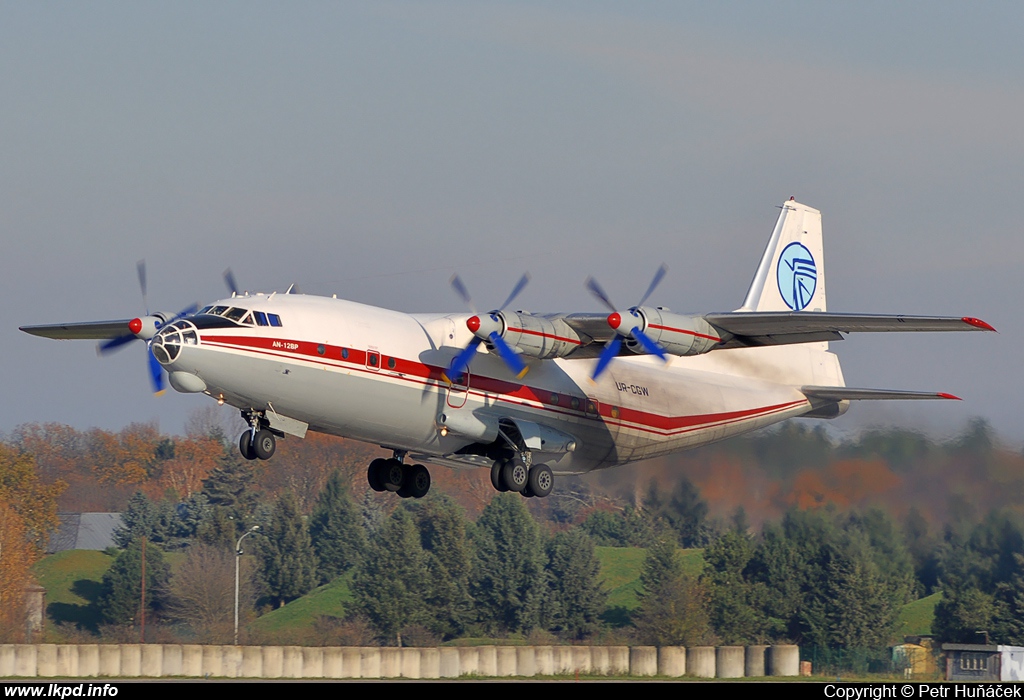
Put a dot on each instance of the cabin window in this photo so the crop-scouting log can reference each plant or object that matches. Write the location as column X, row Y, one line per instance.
column 575, row 403
column 392, row 363
column 275, row 320
column 320, row 349
column 344, row 353
column 554, row 399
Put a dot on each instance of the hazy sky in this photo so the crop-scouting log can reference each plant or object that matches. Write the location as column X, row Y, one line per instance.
column 373, row 149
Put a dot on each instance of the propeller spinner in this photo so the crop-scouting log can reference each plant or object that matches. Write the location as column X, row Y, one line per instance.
column 489, row 328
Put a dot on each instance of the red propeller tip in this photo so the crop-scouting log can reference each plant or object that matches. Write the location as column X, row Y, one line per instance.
column 473, row 324
column 614, row 320
column 135, row 325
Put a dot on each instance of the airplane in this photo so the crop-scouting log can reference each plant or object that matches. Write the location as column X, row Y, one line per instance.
column 527, row 396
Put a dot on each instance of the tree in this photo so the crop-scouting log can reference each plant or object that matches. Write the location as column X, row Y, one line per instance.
column 442, row 528
column 230, row 486
column 508, row 580
column 734, row 613
column 144, row 518
column 674, row 605
column 336, row 530
column 24, row 491
column 684, row 512
column 288, row 562
column 576, row 596
column 120, row 598
column 202, row 593
column 16, row 558
column 389, row 586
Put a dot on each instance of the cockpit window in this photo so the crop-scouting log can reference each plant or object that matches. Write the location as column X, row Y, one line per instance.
column 275, row 320
column 205, row 310
column 261, row 319
column 247, row 320
column 235, row 314
column 218, row 310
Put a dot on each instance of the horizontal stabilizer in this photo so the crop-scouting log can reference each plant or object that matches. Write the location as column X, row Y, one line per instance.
column 844, row 393
column 87, row 330
column 752, row 328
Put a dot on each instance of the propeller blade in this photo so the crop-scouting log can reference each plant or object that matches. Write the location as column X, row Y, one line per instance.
column 229, row 280
column 523, row 281
column 596, row 290
column 187, row 311
column 461, row 361
column 611, row 350
column 649, row 345
column 510, row 356
column 654, row 283
column 156, row 372
column 463, row 293
column 113, row 344
column 141, row 269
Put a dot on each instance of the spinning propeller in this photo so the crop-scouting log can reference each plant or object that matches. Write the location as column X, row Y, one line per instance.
column 145, row 328
column 628, row 324
column 487, row 327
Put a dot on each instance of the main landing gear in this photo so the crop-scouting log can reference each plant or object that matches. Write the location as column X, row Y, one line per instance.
column 515, row 475
column 258, row 442
column 407, row 480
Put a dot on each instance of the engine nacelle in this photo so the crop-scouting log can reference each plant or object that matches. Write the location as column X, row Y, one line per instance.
column 146, row 327
column 675, row 333
column 539, row 337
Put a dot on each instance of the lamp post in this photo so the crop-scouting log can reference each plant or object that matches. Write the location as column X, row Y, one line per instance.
column 238, row 556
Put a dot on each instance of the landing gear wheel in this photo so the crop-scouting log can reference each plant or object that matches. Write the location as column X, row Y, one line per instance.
column 514, row 475
column 415, row 482
column 374, row 474
column 527, row 493
column 264, row 444
column 541, row 480
column 496, row 481
column 245, row 445
column 391, row 475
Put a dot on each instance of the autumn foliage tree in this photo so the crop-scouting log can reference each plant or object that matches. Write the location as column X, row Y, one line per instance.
column 16, row 558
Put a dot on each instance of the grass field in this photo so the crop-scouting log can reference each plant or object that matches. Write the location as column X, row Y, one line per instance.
column 916, row 618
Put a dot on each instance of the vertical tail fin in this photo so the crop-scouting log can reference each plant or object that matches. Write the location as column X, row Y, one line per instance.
column 791, row 276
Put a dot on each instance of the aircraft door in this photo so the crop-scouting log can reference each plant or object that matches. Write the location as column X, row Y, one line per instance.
column 458, row 390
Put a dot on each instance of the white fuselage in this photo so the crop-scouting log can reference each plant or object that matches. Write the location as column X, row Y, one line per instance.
column 376, row 375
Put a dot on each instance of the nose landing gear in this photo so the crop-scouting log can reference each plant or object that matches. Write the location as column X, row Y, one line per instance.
column 258, row 442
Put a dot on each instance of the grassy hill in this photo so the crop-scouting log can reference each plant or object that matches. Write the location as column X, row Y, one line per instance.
column 916, row 618
column 72, row 581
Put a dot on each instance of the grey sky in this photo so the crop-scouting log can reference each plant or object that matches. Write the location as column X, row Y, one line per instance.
column 372, row 149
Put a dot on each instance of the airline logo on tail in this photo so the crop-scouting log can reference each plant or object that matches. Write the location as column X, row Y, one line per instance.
column 797, row 276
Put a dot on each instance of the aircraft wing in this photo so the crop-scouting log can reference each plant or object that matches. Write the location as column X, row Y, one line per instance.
column 88, row 330
column 844, row 393
column 755, row 328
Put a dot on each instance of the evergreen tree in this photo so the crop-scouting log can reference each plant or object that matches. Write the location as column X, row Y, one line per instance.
column 684, row 512
column 288, row 562
column 576, row 595
column 734, row 613
column 120, row 598
column 389, row 587
column 442, row 527
column 230, row 486
column 674, row 605
column 507, row 581
column 144, row 518
column 335, row 530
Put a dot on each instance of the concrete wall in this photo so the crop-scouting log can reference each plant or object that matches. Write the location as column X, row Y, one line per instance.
column 195, row 661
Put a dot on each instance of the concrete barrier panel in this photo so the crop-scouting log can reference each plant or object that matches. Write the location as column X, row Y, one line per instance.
column 700, row 662
column 643, row 661
column 131, row 660
column 753, row 663
column 110, row 660
column 390, row 662
column 369, row 662
column 313, row 662
column 672, row 661
column 213, row 661
column 291, row 662
column 25, row 660
column 729, row 662
column 430, row 662
column 171, row 665
column 783, row 660
column 469, row 661
column 88, row 660
column 273, row 662
column 544, row 658
column 234, row 664
column 581, row 660
column 351, row 664
column 46, row 660
column 333, row 662
column 561, row 659
column 152, row 656
column 506, row 661
column 618, row 661
column 526, row 662
column 67, row 661
column 488, row 661
column 449, row 662
column 6, row 660
column 410, row 662
column 191, row 660
column 600, row 661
